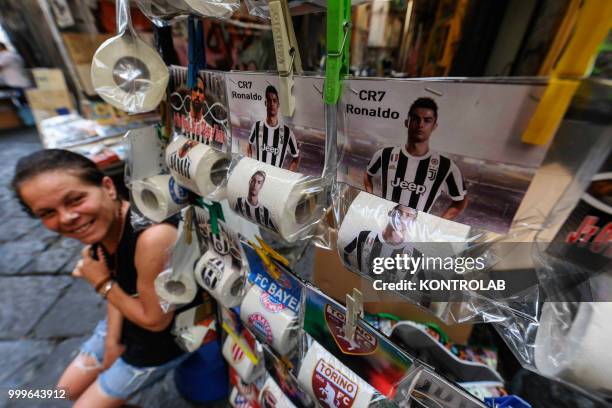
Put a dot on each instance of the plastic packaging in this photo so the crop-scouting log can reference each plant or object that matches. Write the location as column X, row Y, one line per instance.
column 287, row 203
column 164, row 12
column 244, row 356
column 221, row 277
column 194, row 326
column 145, row 157
column 126, row 72
column 198, row 167
column 158, row 197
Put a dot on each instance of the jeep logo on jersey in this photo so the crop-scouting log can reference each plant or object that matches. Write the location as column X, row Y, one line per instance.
column 270, row 149
column 363, row 342
column 332, row 388
column 408, row 185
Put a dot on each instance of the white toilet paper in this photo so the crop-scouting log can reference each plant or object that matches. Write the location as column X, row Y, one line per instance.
column 270, row 319
column 175, row 290
column 216, row 274
column 287, row 202
column 371, row 213
column 129, row 74
column 271, row 396
column 190, row 329
column 237, row 358
column 158, row 197
column 330, row 382
column 576, row 351
column 198, row 167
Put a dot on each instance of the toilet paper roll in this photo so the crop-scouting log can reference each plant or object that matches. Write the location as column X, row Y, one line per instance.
column 158, row 197
column 330, row 382
column 129, row 74
column 198, row 167
column 175, row 289
column 287, row 202
column 271, row 396
column 576, row 351
column 270, row 320
column 237, row 358
column 427, row 233
column 237, row 400
column 215, row 273
column 273, row 322
column 190, row 327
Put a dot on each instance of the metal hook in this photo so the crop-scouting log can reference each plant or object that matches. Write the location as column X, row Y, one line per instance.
column 347, row 25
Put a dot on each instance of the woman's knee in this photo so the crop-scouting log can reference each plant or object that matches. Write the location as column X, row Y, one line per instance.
column 79, row 375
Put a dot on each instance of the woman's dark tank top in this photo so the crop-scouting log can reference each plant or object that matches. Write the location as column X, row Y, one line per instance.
column 143, row 348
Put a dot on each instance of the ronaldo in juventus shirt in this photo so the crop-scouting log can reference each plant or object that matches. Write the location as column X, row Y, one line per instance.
column 414, row 175
column 270, row 141
column 250, row 206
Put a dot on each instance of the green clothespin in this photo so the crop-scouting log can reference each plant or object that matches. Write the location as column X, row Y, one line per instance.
column 215, row 212
column 338, row 38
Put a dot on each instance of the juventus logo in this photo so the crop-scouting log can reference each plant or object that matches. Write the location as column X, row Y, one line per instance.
column 213, row 272
column 431, row 173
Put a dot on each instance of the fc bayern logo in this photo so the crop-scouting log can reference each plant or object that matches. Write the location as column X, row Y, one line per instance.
column 261, row 325
column 178, row 194
column 270, row 303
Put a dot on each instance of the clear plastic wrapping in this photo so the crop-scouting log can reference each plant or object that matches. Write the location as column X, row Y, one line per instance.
column 164, row 12
column 126, row 72
column 158, row 197
column 286, row 203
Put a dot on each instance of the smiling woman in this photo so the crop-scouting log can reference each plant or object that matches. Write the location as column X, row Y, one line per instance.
column 133, row 347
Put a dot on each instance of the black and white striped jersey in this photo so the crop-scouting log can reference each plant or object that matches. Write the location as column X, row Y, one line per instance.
column 271, row 144
column 416, row 182
column 368, row 245
column 257, row 213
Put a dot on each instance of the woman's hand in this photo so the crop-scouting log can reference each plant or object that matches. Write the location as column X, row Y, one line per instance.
column 91, row 270
column 112, row 351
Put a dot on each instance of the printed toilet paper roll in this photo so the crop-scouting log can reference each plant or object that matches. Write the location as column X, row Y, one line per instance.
column 330, row 382
column 270, row 320
column 237, row 358
column 371, row 219
column 220, row 278
column 271, row 396
column 175, row 290
column 576, row 351
column 198, row 167
column 191, row 327
column 280, row 200
column 158, row 197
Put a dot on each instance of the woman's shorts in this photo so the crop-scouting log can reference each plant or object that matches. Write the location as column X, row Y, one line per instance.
column 122, row 380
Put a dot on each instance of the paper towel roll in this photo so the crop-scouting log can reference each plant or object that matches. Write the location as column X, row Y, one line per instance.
column 158, row 197
column 129, row 74
column 198, row 167
column 237, row 358
column 270, row 319
column 179, row 289
column 288, row 202
column 216, row 274
column 330, row 382
column 576, row 351
column 271, row 396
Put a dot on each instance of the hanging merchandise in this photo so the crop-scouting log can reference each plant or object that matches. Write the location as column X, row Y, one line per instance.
column 177, row 285
column 165, row 12
column 127, row 72
column 287, row 203
column 244, row 355
column 272, row 396
column 219, row 275
column 194, row 327
column 279, row 370
column 238, row 400
column 146, row 154
column 200, row 112
column 270, row 320
column 198, row 167
column 332, row 383
column 158, row 197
